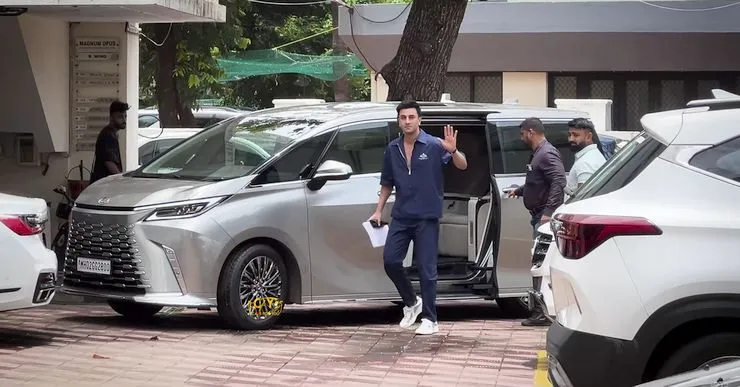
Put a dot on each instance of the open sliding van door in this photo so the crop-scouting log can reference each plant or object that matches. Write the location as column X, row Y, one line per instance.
column 510, row 231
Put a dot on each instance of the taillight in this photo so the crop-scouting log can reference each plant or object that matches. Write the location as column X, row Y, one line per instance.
column 577, row 235
column 24, row 225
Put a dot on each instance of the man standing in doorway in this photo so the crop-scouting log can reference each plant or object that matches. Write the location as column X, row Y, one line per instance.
column 588, row 153
column 542, row 189
column 107, row 151
column 413, row 165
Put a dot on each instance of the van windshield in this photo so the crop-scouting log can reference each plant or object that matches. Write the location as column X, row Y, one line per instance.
column 228, row 150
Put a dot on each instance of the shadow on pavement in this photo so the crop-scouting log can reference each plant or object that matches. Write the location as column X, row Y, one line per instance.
column 328, row 315
column 18, row 339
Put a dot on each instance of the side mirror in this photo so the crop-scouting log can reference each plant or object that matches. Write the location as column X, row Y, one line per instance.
column 329, row 170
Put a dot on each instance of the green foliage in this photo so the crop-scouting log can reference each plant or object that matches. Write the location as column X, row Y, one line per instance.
column 198, row 45
column 250, row 26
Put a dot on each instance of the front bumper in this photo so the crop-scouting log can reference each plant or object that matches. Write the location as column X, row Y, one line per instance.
column 164, row 299
column 167, row 262
column 578, row 359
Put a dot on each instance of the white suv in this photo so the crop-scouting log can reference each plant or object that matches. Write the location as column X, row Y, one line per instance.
column 646, row 273
column 27, row 267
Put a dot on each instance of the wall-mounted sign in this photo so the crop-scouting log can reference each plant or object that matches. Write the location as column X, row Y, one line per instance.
column 97, row 45
column 96, row 79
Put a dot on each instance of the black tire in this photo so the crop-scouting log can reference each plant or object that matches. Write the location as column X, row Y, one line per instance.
column 700, row 351
column 134, row 311
column 513, row 307
column 230, row 306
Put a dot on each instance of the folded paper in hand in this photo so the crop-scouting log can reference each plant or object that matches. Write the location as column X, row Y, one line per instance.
column 377, row 235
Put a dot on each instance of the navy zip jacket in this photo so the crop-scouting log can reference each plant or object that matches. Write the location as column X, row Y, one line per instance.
column 419, row 190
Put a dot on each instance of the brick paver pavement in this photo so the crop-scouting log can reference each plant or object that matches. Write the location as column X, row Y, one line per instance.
column 352, row 344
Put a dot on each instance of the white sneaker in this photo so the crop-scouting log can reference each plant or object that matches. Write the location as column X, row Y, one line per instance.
column 427, row 327
column 410, row 314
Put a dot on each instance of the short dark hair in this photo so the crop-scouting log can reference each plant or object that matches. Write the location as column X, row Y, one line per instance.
column 409, row 105
column 118, row 107
column 581, row 123
column 533, row 123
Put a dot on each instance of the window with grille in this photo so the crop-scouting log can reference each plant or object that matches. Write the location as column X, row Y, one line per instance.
column 474, row 87
column 635, row 94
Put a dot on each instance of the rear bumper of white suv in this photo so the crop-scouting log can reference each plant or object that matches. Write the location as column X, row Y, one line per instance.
column 578, row 359
column 598, row 313
column 31, row 269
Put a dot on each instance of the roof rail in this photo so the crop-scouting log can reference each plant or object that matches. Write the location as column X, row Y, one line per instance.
column 722, row 100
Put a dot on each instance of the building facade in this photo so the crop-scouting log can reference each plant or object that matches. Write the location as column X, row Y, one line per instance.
column 63, row 62
column 644, row 56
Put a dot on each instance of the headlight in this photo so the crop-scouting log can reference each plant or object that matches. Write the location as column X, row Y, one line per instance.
column 184, row 210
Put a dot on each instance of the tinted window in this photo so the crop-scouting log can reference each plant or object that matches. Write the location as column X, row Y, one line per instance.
column 146, row 152
column 621, row 169
column 722, row 160
column 297, row 163
column 361, row 147
column 513, row 154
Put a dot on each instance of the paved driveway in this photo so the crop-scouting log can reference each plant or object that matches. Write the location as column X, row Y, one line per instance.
column 339, row 344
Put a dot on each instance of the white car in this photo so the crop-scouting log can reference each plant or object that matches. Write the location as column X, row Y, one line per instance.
column 153, row 142
column 204, row 117
column 541, row 293
column 29, row 269
column 646, row 272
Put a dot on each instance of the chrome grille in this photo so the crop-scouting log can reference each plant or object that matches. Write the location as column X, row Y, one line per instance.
column 105, row 241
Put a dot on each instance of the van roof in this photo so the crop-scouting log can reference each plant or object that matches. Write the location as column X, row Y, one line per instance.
column 335, row 110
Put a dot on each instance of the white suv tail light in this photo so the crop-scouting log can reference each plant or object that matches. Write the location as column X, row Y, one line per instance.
column 24, row 225
column 577, row 235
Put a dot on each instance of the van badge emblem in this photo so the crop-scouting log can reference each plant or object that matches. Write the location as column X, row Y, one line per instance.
column 104, row 200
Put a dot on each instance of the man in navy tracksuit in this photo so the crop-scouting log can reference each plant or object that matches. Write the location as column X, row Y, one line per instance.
column 413, row 165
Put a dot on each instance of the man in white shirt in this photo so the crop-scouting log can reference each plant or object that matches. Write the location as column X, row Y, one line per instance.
column 589, row 155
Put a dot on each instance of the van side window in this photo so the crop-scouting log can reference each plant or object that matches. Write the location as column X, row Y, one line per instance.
column 721, row 160
column 514, row 154
column 361, row 147
column 296, row 163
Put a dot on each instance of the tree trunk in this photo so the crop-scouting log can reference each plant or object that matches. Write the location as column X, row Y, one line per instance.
column 164, row 78
column 187, row 120
column 419, row 69
column 341, row 86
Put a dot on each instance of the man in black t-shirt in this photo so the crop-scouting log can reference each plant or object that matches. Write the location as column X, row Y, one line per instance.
column 107, row 152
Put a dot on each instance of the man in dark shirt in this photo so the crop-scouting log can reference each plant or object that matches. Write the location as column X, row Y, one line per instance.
column 413, row 165
column 543, row 188
column 107, row 151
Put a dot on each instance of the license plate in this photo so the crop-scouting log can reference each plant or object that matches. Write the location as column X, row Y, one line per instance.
column 96, row 266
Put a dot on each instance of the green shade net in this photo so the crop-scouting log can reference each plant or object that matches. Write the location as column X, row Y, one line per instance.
column 268, row 62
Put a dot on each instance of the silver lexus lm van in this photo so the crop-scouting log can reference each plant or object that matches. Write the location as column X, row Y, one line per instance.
column 266, row 209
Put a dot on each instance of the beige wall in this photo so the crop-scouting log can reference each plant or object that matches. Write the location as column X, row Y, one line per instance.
column 529, row 88
column 378, row 88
